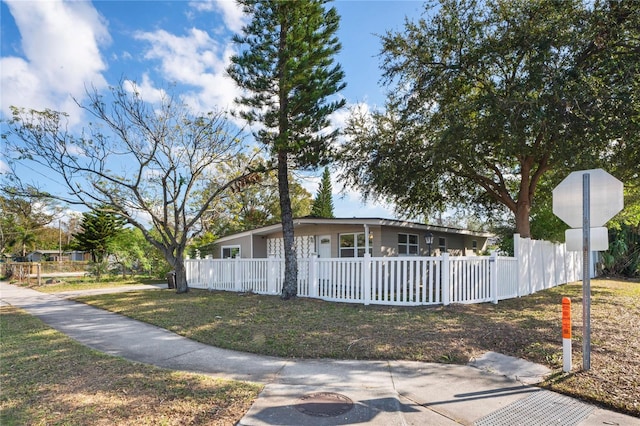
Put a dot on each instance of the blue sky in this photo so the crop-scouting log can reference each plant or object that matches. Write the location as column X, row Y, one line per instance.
column 52, row 49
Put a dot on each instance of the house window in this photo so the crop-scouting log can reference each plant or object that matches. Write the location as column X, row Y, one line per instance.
column 442, row 244
column 474, row 245
column 354, row 244
column 230, row 252
column 408, row 244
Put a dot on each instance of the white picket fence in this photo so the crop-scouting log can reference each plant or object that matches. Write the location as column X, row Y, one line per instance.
column 407, row 281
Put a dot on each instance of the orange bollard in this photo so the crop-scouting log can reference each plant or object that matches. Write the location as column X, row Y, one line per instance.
column 566, row 334
column 566, row 318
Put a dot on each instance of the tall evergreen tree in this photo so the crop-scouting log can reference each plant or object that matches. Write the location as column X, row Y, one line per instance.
column 99, row 229
column 286, row 67
column 323, row 204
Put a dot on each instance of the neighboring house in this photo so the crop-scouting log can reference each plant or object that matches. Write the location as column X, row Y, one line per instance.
column 43, row 255
column 77, row 256
column 346, row 238
column 54, row 255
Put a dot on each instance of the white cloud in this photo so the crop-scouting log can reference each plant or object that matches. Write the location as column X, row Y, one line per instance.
column 4, row 167
column 60, row 44
column 147, row 91
column 339, row 118
column 195, row 60
column 231, row 12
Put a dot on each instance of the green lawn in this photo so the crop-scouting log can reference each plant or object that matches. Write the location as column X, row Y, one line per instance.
column 48, row 378
column 528, row 327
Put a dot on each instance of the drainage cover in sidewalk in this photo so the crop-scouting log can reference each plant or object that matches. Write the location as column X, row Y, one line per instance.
column 324, row 404
column 538, row 409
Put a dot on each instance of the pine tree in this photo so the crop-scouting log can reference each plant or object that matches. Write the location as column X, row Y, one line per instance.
column 323, row 204
column 286, row 68
column 99, row 228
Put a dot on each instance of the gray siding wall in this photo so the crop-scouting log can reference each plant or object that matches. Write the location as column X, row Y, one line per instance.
column 245, row 247
column 385, row 240
column 259, row 247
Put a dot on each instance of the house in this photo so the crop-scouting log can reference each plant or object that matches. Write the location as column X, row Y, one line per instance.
column 78, row 256
column 43, row 255
column 54, row 255
column 346, row 238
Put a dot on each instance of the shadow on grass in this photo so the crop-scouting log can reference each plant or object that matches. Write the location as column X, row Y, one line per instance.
column 49, row 379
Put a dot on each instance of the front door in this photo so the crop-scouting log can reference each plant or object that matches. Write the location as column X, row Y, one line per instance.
column 324, row 246
column 324, row 252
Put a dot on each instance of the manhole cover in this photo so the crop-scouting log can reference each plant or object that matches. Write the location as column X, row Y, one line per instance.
column 324, row 404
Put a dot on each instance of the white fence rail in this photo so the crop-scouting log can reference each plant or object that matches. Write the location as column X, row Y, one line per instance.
column 407, row 281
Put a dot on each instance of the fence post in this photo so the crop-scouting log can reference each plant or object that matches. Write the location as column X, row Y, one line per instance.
column 556, row 272
column 548, row 261
column 211, row 274
column 237, row 275
column 446, row 285
column 366, row 278
column 39, row 269
column 530, row 263
column 313, row 276
column 493, row 275
column 201, row 271
column 192, row 272
column 271, row 274
column 518, row 255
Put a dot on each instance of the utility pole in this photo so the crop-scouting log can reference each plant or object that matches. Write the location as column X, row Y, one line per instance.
column 59, row 241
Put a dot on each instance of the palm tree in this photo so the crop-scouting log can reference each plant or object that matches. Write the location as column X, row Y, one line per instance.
column 27, row 238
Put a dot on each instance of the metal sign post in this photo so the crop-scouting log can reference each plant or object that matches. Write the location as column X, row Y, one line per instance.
column 602, row 198
column 586, row 273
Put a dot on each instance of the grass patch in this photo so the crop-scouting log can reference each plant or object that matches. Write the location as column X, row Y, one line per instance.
column 529, row 328
column 86, row 283
column 48, row 378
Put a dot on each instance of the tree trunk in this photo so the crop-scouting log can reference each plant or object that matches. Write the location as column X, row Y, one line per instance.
column 181, row 273
column 523, row 209
column 528, row 184
column 290, row 285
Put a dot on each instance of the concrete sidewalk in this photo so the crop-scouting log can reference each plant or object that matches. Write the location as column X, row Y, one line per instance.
column 492, row 391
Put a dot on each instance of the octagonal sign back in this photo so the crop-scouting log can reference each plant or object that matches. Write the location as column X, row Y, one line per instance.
column 605, row 198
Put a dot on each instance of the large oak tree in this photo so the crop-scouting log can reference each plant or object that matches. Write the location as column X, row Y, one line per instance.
column 287, row 71
column 486, row 98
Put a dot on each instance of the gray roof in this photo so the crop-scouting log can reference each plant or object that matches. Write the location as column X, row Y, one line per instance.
column 265, row 230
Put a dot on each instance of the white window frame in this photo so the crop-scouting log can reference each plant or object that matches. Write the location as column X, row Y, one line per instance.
column 442, row 244
column 230, row 248
column 407, row 245
column 358, row 251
